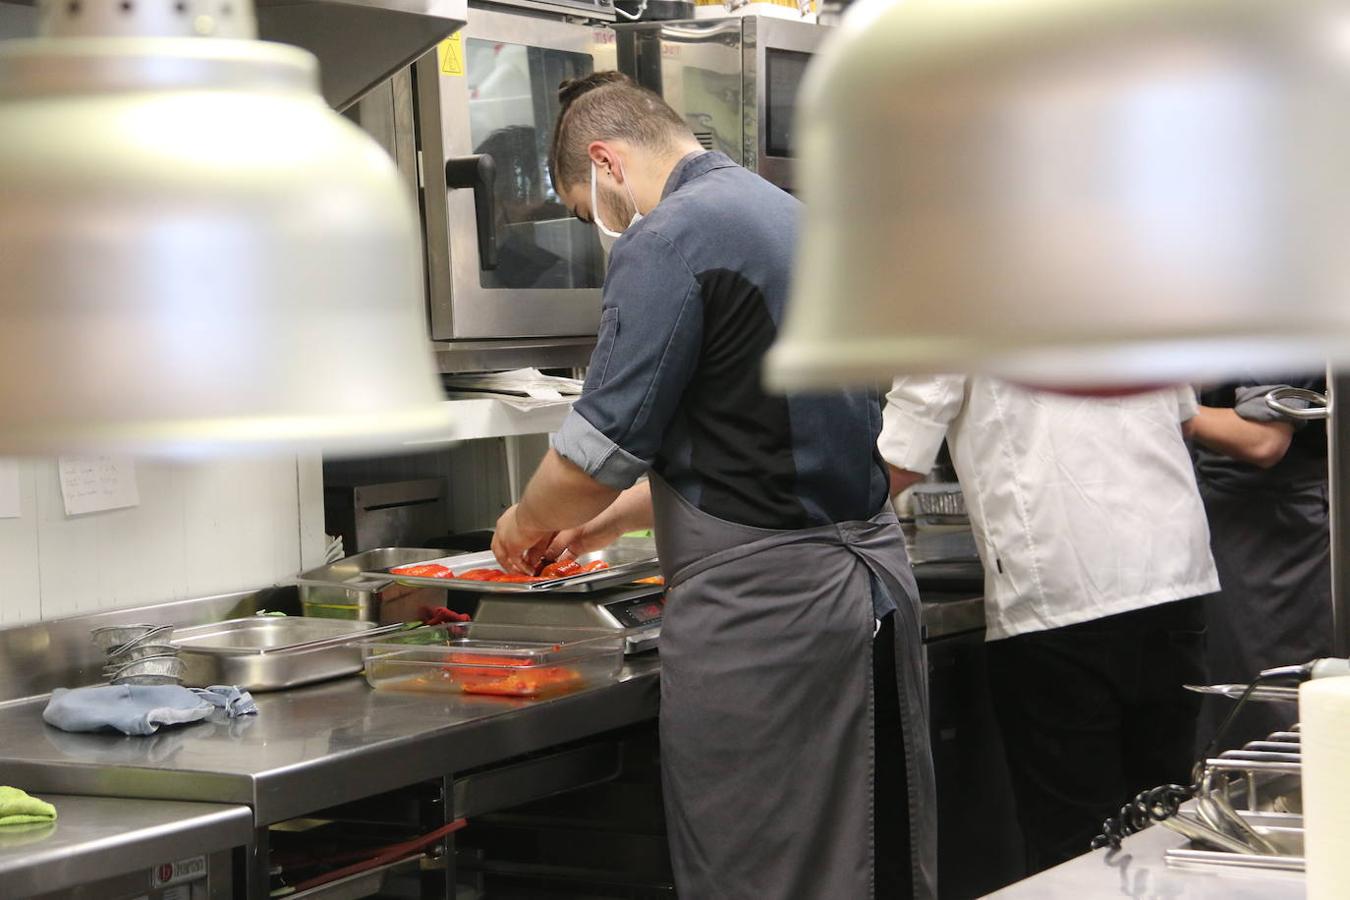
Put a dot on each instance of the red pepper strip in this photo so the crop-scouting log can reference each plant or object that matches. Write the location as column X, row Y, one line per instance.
column 384, row 855
column 482, row 575
column 424, row 570
column 561, row 569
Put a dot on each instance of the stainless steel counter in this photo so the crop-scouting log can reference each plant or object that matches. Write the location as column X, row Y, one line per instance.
column 314, row 747
column 308, row 748
column 1139, row 870
column 95, row 838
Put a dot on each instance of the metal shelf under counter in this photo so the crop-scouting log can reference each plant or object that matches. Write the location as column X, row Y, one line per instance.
column 108, row 847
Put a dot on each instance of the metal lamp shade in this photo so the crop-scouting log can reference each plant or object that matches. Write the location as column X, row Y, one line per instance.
column 196, row 255
column 1073, row 192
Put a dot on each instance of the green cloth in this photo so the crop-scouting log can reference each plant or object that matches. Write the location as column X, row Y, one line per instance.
column 17, row 808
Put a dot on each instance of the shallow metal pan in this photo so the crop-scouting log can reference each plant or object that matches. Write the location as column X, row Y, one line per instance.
column 267, row 653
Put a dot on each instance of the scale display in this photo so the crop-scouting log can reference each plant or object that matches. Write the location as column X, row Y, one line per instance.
column 635, row 612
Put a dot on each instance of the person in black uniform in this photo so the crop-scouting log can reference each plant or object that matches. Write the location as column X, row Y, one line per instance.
column 1263, row 478
column 794, row 744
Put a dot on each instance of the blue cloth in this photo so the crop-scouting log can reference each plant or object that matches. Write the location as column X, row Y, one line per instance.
column 229, row 698
column 693, row 299
column 142, row 709
column 128, row 708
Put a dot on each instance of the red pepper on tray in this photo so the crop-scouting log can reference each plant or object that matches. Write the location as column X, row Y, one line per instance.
column 560, row 569
column 424, row 570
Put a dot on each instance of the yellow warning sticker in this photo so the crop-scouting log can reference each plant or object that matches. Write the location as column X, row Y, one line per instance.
column 450, row 53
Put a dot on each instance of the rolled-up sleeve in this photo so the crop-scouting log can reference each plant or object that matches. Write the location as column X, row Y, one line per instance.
column 647, row 349
column 917, row 415
column 1249, row 402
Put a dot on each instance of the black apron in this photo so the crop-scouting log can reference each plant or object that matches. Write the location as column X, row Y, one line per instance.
column 1272, row 549
column 767, row 706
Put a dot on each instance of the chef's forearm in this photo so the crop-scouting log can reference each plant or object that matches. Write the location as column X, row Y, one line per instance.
column 1261, row 444
column 632, row 511
column 561, row 495
column 902, row 479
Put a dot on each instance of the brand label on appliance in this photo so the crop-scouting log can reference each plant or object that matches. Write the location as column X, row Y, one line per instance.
column 179, row 872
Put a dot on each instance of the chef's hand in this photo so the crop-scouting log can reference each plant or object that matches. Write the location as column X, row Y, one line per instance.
column 519, row 545
column 596, row 534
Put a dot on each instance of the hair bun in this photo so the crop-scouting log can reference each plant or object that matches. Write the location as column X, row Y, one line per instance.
column 572, row 88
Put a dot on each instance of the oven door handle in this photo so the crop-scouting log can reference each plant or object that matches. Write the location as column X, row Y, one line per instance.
column 479, row 173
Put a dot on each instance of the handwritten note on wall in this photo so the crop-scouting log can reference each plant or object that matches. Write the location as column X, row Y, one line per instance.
column 95, row 483
column 9, row 489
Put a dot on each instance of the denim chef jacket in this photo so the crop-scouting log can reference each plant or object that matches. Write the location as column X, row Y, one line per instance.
column 693, row 299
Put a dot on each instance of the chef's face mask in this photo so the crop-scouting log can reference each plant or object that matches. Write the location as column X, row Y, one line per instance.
column 607, row 237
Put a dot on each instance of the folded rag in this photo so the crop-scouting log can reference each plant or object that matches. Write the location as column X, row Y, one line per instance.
column 229, row 698
column 17, row 808
column 128, row 708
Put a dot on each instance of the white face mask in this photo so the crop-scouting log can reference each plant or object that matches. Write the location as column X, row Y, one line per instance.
column 607, row 237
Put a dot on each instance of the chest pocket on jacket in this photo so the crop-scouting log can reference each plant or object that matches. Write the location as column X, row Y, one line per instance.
column 607, row 336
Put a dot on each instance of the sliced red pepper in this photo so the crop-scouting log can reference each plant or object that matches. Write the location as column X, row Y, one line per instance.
column 424, row 570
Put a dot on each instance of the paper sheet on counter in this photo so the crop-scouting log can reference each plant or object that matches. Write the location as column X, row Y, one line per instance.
column 523, row 389
column 96, row 483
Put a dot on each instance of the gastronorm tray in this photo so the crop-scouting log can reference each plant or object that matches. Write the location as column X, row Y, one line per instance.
column 628, row 560
column 343, row 590
column 494, row 660
column 269, row 653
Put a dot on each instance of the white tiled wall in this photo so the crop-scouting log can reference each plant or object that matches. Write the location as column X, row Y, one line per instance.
column 200, row 529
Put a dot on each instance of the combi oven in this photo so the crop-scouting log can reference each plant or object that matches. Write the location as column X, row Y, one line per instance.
column 506, row 261
column 513, row 279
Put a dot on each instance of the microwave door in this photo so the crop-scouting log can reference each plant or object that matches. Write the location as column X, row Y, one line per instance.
column 505, row 257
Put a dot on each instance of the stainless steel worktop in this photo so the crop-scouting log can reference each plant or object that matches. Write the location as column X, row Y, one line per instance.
column 1139, row 870
column 94, row 838
column 311, row 747
column 314, row 747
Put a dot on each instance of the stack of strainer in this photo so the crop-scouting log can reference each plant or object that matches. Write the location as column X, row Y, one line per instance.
column 139, row 654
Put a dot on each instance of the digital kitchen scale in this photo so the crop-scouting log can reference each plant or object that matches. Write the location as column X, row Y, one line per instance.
column 635, row 610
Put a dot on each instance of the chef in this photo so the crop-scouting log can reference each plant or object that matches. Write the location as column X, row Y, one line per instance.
column 1095, row 550
column 1264, row 481
column 791, row 667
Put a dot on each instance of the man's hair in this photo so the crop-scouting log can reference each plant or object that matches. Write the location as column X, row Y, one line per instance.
column 606, row 106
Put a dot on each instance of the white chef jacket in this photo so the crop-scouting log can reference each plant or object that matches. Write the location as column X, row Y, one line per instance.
column 1081, row 507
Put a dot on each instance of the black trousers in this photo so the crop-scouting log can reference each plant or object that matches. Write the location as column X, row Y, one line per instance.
column 890, row 843
column 1094, row 713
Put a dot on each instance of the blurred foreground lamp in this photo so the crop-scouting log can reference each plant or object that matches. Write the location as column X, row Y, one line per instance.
column 1075, row 193
column 196, row 253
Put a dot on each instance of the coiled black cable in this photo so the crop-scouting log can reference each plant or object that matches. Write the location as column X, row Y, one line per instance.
column 1148, row 807
column 1163, row 802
